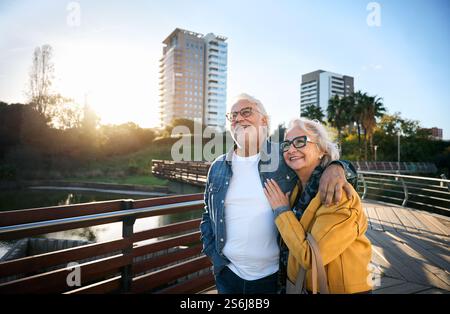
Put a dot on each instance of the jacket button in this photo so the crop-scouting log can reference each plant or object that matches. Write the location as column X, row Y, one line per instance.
column 223, row 201
column 221, row 240
column 287, row 177
column 221, row 220
column 226, row 183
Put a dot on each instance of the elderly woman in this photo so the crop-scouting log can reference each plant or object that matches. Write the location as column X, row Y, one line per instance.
column 338, row 229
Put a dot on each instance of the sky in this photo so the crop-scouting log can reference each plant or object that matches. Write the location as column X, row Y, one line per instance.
column 108, row 51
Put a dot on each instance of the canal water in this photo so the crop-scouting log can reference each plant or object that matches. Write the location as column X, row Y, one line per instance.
column 53, row 196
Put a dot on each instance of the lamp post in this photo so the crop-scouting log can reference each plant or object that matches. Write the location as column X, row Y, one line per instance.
column 398, row 151
column 375, row 147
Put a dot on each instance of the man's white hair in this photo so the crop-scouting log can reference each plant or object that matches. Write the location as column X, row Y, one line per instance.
column 258, row 104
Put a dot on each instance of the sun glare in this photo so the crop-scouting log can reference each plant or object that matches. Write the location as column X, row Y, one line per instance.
column 118, row 82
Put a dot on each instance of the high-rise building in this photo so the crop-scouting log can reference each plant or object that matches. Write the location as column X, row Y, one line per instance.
column 193, row 78
column 319, row 86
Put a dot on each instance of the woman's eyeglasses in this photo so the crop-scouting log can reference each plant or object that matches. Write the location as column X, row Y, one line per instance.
column 244, row 112
column 298, row 142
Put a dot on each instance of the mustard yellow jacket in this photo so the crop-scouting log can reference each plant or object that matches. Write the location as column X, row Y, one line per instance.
column 339, row 231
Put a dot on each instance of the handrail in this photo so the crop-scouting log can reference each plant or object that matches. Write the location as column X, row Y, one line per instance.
column 114, row 214
column 190, row 172
column 418, row 192
column 403, row 176
column 130, row 258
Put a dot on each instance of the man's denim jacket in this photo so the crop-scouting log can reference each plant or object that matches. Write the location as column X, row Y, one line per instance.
column 271, row 166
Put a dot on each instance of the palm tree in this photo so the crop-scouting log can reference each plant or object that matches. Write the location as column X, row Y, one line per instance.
column 372, row 108
column 356, row 101
column 312, row 112
column 338, row 113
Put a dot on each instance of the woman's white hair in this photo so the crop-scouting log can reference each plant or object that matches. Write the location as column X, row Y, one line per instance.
column 319, row 135
column 258, row 104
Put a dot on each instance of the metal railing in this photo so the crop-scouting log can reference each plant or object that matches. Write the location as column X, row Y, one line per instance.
column 171, row 263
column 430, row 194
column 396, row 167
column 194, row 172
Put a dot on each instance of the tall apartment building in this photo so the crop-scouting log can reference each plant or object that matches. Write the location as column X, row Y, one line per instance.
column 193, row 78
column 319, row 86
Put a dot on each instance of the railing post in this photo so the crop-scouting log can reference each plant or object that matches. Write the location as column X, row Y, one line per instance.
column 442, row 182
column 364, row 186
column 127, row 233
column 405, row 191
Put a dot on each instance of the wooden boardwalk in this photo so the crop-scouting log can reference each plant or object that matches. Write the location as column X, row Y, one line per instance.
column 411, row 251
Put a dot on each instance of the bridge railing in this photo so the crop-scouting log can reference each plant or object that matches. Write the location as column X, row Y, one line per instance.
column 193, row 172
column 430, row 194
column 172, row 263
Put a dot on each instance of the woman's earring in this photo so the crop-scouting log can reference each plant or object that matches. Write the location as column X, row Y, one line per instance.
column 321, row 156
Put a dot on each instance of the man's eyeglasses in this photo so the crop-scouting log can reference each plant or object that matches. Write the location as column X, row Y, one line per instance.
column 298, row 142
column 244, row 112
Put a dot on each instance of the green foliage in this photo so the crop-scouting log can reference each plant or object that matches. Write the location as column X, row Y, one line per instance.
column 339, row 113
column 313, row 112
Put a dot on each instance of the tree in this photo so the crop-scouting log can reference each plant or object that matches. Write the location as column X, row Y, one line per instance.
column 41, row 76
column 312, row 112
column 339, row 114
column 372, row 108
column 389, row 124
column 355, row 101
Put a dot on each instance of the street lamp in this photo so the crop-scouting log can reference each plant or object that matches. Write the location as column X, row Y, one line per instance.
column 398, row 152
column 375, row 147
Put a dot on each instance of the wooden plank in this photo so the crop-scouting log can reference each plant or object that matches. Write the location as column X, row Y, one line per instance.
column 20, row 234
column 423, row 272
column 384, row 219
column 55, row 281
column 158, row 278
column 383, row 264
column 369, row 223
column 102, row 287
column 413, row 219
column 399, row 259
column 436, row 275
column 396, row 223
column 166, row 259
column 405, row 288
column 394, row 261
column 387, row 282
column 433, row 291
column 409, row 226
column 166, row 244
column 193, row 285
column 432, row 223
column 372, row 215
column 22, row 216
column 417, row 245
column 35, row 263
column 433, row 244
column 167, row 200
column 166, row 230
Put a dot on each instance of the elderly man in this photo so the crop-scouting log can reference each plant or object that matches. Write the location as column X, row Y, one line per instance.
column 238, row 229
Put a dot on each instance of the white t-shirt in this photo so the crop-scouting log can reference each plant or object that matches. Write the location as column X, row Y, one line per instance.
column 251, row 233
